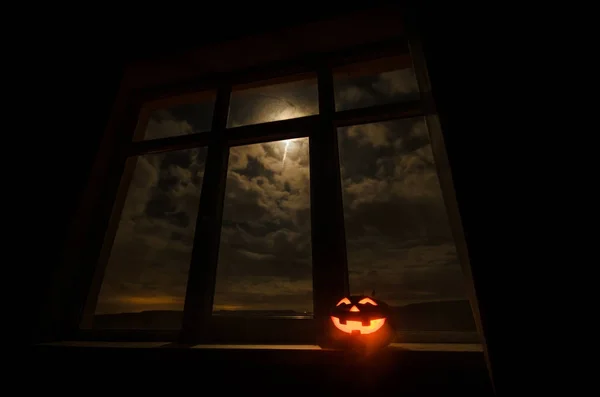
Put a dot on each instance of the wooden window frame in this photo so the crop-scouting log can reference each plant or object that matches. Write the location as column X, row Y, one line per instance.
column 330, row 276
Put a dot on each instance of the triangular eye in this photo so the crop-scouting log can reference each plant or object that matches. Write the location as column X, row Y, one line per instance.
column 370, row 301
column 345, row 301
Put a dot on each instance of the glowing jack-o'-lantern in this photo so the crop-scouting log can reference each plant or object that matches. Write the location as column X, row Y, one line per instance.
column 361, row 320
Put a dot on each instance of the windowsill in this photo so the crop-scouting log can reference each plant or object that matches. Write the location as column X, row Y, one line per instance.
column 432, row 347
column 430, row 368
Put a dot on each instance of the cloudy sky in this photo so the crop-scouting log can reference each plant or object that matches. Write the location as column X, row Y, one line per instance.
column 399, row 241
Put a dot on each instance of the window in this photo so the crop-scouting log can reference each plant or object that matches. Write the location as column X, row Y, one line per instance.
column 273, row 101
column 265, row 253
column 142, row 283
column 180, row 119
column 378, row 82
column 146, row 274
column 228, row 229
column 399, row 241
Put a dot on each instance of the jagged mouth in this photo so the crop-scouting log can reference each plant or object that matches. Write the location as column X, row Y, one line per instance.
column 364, row 327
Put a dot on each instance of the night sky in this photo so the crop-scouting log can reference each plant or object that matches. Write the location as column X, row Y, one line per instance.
column 398, row 238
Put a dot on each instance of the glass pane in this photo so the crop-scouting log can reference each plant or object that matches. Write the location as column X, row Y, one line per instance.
column 274, row 102
column 146, row 275
column 374, row 83
column 182, row 119
column 399, row 242
column 265, row 252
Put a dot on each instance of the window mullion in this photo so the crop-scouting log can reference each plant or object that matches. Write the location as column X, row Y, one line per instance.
column 107, row 212
column 330, row 270
column 203, row 265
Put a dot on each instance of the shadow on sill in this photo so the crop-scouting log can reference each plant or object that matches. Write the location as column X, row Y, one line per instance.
column 441, row 347
column 406, row 369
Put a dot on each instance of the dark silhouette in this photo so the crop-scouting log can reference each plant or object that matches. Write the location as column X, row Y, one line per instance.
column 452, row 320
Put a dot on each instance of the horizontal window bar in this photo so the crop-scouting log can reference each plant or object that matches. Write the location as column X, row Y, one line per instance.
column 169, row 144
column 377, row 114
column 278, row 130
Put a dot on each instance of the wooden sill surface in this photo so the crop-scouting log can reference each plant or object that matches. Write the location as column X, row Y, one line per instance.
column 441, row 347
column 413, row 369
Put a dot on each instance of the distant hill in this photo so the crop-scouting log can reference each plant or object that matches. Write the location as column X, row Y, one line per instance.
column 155, row 319
column 435, row 316
column 259, row 313
column 427, row 316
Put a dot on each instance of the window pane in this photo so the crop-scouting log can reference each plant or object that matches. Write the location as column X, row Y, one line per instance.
column 398, row 236
column 181, row 119
column 265, row 251
column 273, row 102
column 373, row 83
column 146, row 275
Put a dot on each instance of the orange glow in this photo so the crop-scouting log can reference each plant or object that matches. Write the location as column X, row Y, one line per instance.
column 345, row 300
column 354, row 309
column 228, row 307
column 151, row 300
column 351, row 326
column 368, row 300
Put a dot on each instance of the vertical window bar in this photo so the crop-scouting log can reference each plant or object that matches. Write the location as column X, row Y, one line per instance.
column 100, row 238
column 330, row 269
column 128, row 167
column 202, row 274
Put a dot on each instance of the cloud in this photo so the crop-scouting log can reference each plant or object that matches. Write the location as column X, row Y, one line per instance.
column 158, row 128
column 266, row 229
column 370, row 134
column 375, row 89
column 153, row 244
column 273, row 103
column 398, row 238
column 180, row 120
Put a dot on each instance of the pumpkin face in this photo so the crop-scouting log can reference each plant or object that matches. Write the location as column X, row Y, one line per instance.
column 359, row 315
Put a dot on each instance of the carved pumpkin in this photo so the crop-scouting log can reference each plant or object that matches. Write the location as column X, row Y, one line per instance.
column 361, row 320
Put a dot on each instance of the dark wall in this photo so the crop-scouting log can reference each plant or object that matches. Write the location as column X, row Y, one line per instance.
column 68, row 124
column 471, row 70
